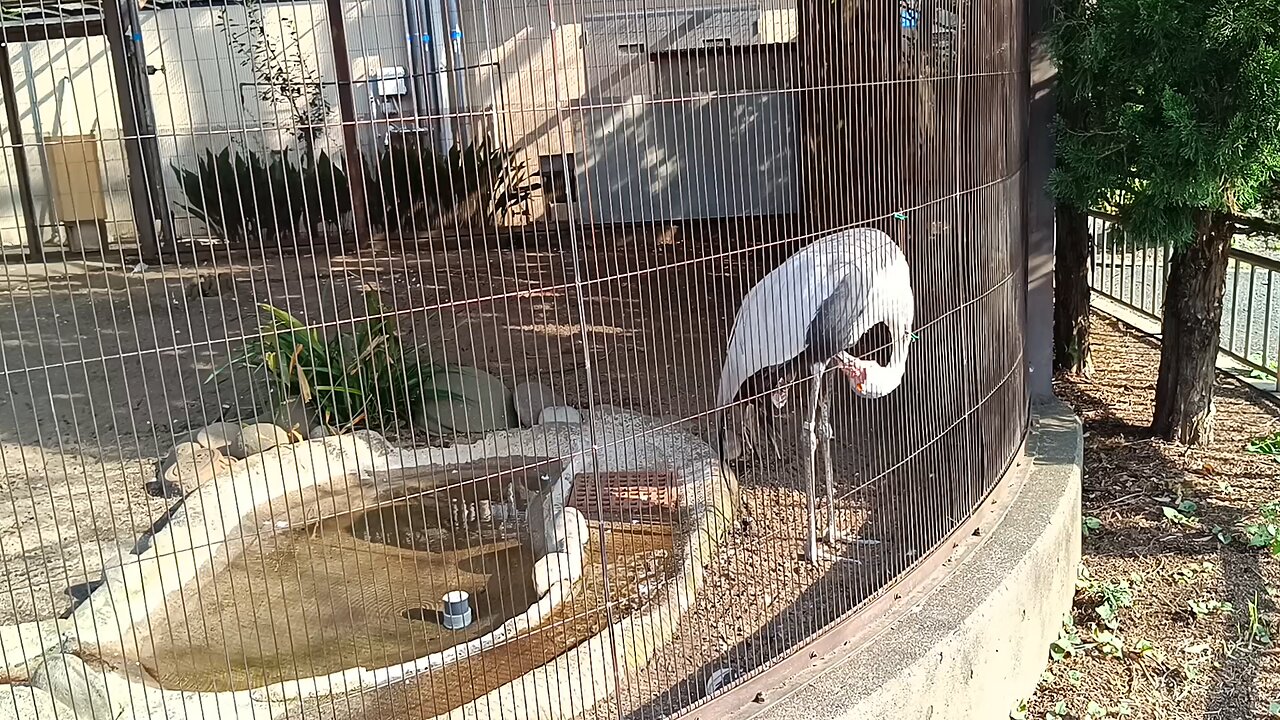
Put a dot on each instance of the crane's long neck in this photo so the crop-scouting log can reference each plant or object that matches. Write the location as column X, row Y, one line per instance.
column 884, row 379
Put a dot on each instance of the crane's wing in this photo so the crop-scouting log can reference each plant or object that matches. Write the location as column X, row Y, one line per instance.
column 773, row 323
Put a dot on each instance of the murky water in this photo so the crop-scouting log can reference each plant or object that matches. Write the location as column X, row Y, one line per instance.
column 362, row 589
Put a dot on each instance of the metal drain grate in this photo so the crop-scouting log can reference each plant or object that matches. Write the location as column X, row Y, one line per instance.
column 626, row 497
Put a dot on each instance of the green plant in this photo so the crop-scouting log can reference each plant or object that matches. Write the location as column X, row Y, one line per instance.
column 243, row 195
column 1257, row 630
column 1207, row 608
column 1091, row 525
column 417, row 185
column 1265, row 445
column 1067, row 644
column 363, row 377
column 284, row 77
column 1111, row 596
column 1266, row 532
column 1168, row 113
column 1183, row 514
column 490, row 181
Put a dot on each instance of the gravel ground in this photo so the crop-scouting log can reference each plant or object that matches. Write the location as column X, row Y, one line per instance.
column 105, row 366
column 1183, row 654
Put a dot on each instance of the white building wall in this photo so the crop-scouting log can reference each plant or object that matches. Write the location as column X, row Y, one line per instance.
column 536, row 92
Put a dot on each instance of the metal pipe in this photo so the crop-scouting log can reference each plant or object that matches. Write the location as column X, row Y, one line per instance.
column 439, row 69
column 459, row 62
column 347, row 110
column 417, row 68
column 457, row 610
column 144, row 215
column 33, row 97
column 35, row 246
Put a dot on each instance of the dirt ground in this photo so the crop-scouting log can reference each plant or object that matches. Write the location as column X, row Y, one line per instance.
column 106, row 363
column 1181, row 652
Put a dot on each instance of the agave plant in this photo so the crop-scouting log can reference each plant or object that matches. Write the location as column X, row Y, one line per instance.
column 353, row 379
column 478, row 178
column 475, row 181
column 243, row 195
column 402, row 180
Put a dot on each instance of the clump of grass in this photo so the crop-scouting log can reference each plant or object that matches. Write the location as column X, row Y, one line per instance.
column 362, row 377
column 1266, row 532
column 1265, row 445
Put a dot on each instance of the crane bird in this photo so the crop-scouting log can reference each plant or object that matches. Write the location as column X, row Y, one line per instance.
column 802, row 319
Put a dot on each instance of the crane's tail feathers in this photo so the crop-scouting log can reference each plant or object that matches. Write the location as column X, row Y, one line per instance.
column 747, row 430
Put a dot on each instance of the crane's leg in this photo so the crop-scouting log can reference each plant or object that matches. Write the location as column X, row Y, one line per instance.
column 811, row 448
column 825, row 435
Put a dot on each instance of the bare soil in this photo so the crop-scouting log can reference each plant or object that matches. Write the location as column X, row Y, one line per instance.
column 106, row 365
column 1183, row 657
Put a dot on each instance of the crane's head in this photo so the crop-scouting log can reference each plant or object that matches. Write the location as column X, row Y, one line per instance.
column 869, row 378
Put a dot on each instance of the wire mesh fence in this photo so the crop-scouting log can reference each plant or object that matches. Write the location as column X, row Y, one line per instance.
column 1134, row 275
column 511, row 359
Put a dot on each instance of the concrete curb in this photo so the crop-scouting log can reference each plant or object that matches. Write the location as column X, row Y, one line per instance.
column 974, row 641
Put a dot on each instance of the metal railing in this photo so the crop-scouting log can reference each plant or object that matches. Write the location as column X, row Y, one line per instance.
column 1134, row 275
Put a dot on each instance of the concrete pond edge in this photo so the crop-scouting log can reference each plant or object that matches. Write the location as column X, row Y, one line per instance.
column 59, row 661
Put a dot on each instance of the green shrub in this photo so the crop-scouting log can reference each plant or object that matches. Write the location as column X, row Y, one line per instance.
column 363, row 377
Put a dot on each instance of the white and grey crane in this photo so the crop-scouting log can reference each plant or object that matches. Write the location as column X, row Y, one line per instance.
column 801, row 320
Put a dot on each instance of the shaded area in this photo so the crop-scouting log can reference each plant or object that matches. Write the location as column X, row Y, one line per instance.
column 1205, row 661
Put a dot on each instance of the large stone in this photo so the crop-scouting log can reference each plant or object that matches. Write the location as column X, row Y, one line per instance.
column 81, row 688
column 218, row 436
column 257, row 438
column 23, row 702
column 553, row 569
column 480, row 403
column 530, row 398
column 294, row 416
column 187, row 466
column 559, row 414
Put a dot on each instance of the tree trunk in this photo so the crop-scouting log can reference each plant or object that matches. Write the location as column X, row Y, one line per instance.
column 1191, row 328
column 1071, row 352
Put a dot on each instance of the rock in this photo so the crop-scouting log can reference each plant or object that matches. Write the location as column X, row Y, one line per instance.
column 559, row 414
column 187, row 466
column 553, row 569
column 530, row 398
column 317, row 432
column 558, row 530
column 294, row 416
column 23, row 702
column 480, row 403
column 258, row 438
column 219, row 435
column 81, row 688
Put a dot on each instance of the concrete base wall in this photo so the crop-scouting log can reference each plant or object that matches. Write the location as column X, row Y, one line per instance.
column 973, row 639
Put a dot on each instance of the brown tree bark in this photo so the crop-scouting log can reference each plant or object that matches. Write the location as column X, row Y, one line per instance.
column 1191, row 328
column 1071, row 352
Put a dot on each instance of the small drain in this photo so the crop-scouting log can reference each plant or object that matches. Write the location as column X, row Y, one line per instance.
column 455, row 616
column 457, row 610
